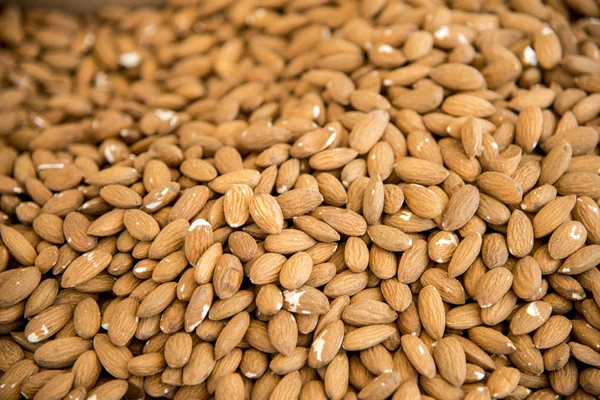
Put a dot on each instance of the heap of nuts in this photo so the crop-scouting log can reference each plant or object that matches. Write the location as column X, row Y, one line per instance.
column 301, row 199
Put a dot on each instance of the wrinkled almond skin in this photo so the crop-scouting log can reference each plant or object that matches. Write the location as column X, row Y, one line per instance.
column 265, row 211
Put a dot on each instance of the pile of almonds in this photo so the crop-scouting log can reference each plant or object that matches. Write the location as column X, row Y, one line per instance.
column 301, row 199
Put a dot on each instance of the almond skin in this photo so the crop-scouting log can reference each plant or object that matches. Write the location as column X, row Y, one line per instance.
column 87, row 318
column 457, row 77
column 460, row 208
column 451, row 361
column 113, row 358
column 366, row 337
column 140, row 225
column 503, row 380
column 85, row 267
column 368, row 131
column 19, row 284
column 61, row 352
column 419, row 355
column 519, row 234
column 493, row 285
column 21, row 249
column 431, row 312
column 266, row 213
column 420, row 171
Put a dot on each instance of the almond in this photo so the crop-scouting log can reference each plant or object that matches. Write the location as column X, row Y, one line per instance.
column 530, row 317
column 366, row 337
column 493, row 285
column 266, row 212
column 368, row 131
column 451, row 361
column 431, row 312
column 421, row 172
column 60, row 353
column 519, row 234
column 552, row 215
column 19, row 247
column 85, row 268
column 140, row 225
column 17, row 284
column 503, row 381
column 419, row 356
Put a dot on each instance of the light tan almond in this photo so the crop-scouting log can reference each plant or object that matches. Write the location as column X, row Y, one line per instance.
column 431, row 312
column 418, row 354
column 552, row 215
column 85, row 267
column 368, row 131
column 493, row 285
column 451, row 361
column 462, row 206
column 366, row 337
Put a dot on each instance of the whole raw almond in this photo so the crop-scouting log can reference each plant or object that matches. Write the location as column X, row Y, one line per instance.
column 368, row 131
column 413, row 262
column 231, row 334
column 368, row 312
column 552, row 215
column 266, row 212
column 529, row 128
column 107, row 224
column 356, row 254
column 418, row 355
column 48, row 322
column 519, row 234
column 295, row 271
column 17, row 285
column 120, row 196
column 19, row 247
column 389, row 238
column 462, row 206
column 124, row 322
column 298, row 201
column 451, row 361
column 305, row 300
column 61, row 352
column 567, row 239
column 178, row 349
column 422, row 201
column 581, row 260
column 431, row 312
column 87, row 318
column 170, row 238
column 200, row 364
column 527, row 277
column 75, row 228
column 457, row 76
column 227, row 276
column 366, row 337
column 140, row 225
column 501, row 187
column 422, row 172
column 503, row 381
column 283, row 332
column 493, row 285
column 85, row 267
column 530, row 317
column 465, row 254
column 373, row 201
column 547, row 47
column 236, row 204
column 344, row 221
column 490, row 340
